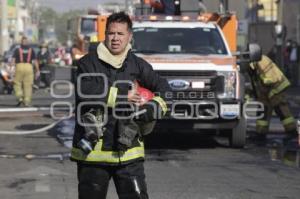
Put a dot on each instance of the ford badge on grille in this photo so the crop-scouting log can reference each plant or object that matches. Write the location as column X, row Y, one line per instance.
column 179, row 84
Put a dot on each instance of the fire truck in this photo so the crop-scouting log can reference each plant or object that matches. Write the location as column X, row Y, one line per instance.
column 89, row 30
column 194, row 54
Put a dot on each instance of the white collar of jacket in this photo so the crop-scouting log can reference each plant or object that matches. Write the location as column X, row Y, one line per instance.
column 114, row 60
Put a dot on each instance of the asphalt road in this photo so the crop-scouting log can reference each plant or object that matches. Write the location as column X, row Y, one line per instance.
column 178, row 165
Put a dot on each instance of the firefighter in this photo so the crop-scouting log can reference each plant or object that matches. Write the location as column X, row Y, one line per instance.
column 23, row 57
column 269, row 84
column 98, row 148
column 44, row 59
column 166, row 7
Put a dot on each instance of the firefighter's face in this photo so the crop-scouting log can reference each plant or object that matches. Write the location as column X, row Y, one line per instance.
column 24, row 41
column 117, row 37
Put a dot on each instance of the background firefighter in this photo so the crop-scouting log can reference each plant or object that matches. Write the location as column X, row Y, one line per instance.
column 269, row 84
column 23, row 57
column 44, row 59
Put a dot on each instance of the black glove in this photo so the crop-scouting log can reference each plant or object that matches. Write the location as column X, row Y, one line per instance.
column 91, row 128
column 92, row 131
column 89, row 140
column 128, row 131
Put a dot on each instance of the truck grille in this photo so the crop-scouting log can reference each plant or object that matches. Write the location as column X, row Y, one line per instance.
column 212, row 84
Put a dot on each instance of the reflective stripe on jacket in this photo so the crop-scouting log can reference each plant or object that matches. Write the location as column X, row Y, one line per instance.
column 112, row 157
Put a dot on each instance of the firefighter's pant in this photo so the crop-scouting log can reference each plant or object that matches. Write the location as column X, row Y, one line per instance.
column 45, row 77
column 23, row 82
column 129, row 181
column 279, row 104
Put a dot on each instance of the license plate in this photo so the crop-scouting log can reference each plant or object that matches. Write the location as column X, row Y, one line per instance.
column 198, row 84
column 230, row 109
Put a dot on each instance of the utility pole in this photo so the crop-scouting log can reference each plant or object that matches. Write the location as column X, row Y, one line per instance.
column 280, row 31
column 16, row 33
column 3, row 27
column 126, row 6
column 298, row 29
column 223, row 7
column 129, row 7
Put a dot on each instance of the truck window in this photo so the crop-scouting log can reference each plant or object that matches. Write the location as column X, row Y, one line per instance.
column 88, row 25
column 178, row 40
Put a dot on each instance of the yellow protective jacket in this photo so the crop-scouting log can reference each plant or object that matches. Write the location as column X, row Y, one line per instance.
column 270, row 75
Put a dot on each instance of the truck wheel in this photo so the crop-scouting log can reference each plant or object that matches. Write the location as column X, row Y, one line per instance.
column 237, row 139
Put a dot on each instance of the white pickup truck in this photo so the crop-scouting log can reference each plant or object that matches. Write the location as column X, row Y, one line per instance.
column 195, row 58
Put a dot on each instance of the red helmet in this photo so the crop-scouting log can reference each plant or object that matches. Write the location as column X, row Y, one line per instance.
column 145, row 94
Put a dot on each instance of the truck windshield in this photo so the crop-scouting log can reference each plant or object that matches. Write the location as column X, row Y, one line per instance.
column 178, row 40
column 88, row 26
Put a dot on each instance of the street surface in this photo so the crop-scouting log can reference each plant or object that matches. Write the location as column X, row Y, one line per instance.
column 178, row 165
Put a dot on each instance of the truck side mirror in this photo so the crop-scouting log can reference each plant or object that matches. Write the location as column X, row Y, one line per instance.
column 255, row 52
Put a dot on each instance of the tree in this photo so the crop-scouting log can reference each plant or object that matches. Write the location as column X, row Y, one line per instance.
column 51, row 19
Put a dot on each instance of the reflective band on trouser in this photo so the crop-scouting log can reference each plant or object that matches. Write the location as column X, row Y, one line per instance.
column 112, row 96
column 262, row 126
column 162, row 103
column 289, row 124
column 262, row 123
column 97, row 155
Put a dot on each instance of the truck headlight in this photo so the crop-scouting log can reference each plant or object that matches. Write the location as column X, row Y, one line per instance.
column 229, row 84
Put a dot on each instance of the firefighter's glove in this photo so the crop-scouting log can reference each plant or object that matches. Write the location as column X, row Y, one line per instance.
column 128, row 131
column 92, row 126
column 92, row 123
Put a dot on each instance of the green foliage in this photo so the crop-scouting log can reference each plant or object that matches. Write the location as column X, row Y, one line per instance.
column 59, row 21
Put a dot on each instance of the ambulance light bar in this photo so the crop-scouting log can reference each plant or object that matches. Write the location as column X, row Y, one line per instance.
column 171, row 18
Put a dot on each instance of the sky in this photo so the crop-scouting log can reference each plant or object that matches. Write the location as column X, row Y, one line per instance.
column 66, row 5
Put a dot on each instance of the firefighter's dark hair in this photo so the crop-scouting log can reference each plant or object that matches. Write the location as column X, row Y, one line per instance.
column 24, row 38
column 119, row 17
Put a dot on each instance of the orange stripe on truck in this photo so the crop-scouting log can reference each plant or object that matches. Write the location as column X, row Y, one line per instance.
column 216, row 61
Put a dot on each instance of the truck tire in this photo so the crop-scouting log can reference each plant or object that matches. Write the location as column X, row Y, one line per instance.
column 237, row 139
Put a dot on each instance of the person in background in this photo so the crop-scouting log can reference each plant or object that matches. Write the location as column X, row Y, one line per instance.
column 166, row 7
column 23, row 58
column 293, row 61
column 269, row 85
column 44, row 59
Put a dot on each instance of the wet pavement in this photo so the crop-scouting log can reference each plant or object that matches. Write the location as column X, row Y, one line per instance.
column 37, row 166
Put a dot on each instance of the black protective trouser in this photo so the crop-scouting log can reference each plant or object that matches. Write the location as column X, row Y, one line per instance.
column 128, row 179
column 45, row 76
column 280, row 105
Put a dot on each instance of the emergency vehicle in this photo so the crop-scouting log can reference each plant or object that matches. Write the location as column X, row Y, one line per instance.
column 194, row 55
column 89, row 29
